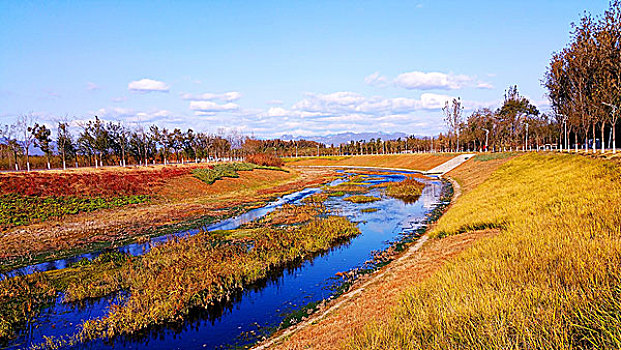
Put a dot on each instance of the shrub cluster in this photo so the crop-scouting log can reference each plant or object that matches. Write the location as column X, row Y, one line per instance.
column 264, row 159
column 88, row 184
column 408, row 190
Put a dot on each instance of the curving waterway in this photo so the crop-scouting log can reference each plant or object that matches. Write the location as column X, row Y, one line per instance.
column 257, row 311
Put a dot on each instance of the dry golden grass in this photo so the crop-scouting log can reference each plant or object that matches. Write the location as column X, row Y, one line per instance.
column 549, row 280
column 420, row 162
column 474, row 172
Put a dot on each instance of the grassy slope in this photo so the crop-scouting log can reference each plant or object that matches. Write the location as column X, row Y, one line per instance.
column 404, row 161
column 549, row 280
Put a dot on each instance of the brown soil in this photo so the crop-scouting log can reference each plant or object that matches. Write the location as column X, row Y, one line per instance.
column 185, row 187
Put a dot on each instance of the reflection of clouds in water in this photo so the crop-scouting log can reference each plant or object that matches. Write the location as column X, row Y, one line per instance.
column 431, row 194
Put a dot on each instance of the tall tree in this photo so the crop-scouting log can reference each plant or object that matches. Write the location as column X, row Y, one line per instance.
column 25, row 125
column 43, row 140
column 64, row 142
column 453, row 117
column 118, row 136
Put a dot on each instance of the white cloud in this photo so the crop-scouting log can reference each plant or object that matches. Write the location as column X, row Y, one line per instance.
column 226, row 97
column 434, row 101
column 375, row 79
column 275, row 102
column 90, row 86
column 432, row 80
column 484, row 85
column 346, row 102
column 132, row 116
column 202, row 107
column 148, row 85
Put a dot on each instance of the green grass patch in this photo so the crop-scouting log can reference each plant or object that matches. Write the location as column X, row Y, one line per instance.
column 219, row 171
column 336, row 194
column 493, row 156
column 16, row 210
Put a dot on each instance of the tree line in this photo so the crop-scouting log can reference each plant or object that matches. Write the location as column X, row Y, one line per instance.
column 100, row 143
column 584, row 80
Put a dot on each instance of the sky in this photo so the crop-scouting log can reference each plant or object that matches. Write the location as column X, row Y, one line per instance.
column 273, row 68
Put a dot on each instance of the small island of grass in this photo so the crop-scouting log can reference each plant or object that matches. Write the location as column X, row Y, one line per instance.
column 361, row 199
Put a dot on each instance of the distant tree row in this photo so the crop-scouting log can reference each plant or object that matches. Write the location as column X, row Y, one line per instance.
column 100, row 143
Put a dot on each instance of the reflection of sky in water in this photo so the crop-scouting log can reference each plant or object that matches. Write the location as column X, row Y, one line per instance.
column 264, row 305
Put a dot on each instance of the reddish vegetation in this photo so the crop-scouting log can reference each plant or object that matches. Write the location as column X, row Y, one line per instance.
column 106, row 183
column 264, row 159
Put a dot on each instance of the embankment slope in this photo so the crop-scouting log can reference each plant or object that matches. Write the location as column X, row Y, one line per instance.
column 549, row 280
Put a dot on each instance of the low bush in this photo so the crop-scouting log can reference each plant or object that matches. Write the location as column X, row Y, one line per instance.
column 104, row 183
column 265, row 159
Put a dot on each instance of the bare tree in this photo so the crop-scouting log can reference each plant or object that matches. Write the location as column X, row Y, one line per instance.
column 453, row 117
column 25, row 128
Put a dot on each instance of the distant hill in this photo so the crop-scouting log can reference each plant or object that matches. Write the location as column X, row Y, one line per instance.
column 337, row 139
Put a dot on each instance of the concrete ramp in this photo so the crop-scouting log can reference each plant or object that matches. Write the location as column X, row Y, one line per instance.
column 450, row 165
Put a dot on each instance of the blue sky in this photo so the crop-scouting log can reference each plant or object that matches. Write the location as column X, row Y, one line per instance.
column 270, row 68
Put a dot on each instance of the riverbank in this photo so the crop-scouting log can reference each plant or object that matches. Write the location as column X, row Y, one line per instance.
column 527, row 257
column 172, row 286
column 176, row 202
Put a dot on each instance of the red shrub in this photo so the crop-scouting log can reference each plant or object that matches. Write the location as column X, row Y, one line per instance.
column 107, row 183
column 265, row 159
